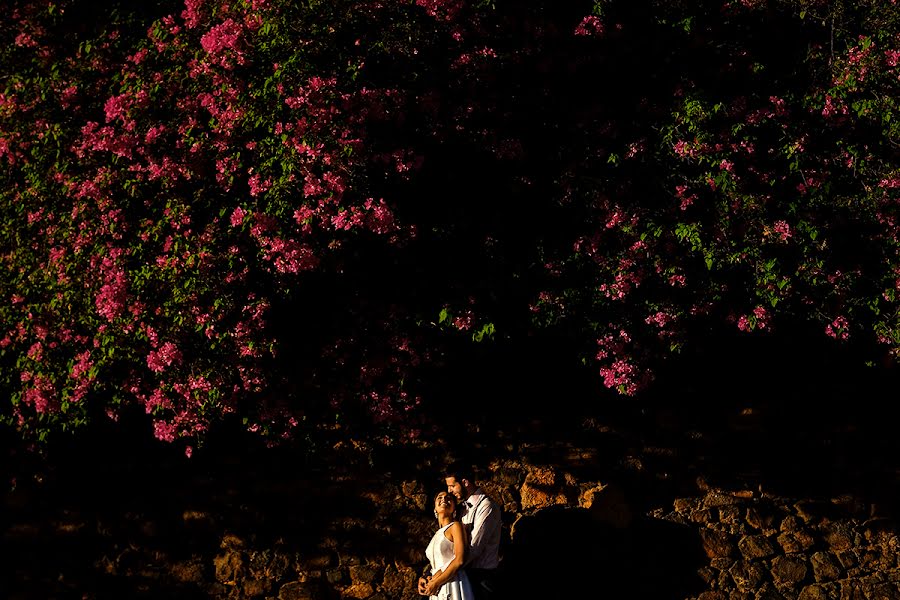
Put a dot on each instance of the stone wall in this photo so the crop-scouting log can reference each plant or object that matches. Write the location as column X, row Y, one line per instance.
column 362, row 535
column 769, row 547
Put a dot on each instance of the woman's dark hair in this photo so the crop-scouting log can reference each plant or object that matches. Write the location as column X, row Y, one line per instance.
column 452, row 497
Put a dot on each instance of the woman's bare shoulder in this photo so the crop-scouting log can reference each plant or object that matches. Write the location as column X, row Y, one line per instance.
column 455, row 529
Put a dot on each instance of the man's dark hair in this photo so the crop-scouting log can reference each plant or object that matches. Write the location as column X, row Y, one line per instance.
column 460, row 471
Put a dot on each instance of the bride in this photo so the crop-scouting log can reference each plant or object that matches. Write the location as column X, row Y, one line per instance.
column 446, row 553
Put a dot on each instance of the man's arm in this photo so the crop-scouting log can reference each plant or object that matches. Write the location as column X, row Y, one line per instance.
column 485, row 527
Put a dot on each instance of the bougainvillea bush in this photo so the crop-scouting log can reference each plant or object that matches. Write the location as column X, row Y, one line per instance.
column 292, row 214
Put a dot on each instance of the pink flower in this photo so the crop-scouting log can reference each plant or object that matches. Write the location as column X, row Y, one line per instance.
column 464, row 321
column 614, row 219
column 157, row 400
column 110, row 300
column 39, row 395
column 82, row 365
column 590, row 25
column 783, row 230
column 659, row 319
column 258, row 185
column 893, row 57
column 36, row 352
column 139, row 56
column 191, row 13
column 223, row 36
column 443, row 10
column 167, row 355
column 67, row 96
column 762, row 317
column 681, row 148
column 624, row 376
column 838, row 329
column 163, row 431
column 833, row 106
column 116, row 107
column 23, row 40
column 237, row 216
column 380, row 218
column 677, row 280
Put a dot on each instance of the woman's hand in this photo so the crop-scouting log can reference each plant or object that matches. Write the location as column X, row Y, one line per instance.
column 432, row 586
column 431, row 589
column 423, row 581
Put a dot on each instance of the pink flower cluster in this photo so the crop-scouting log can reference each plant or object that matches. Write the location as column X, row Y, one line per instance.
column 589, row 25
column 684, row 149
column 624, row 281
column 166, row 356
column 759, row 319
column 117, row 107
column 222, row 43
column 464, row 321
column 442, row 10
column 660, row 319
column 833, row 107
column 687, row 198
column 838, row 329
column 288, row 255
column 892, row 57
column 104, row 139
column 110, row 300
column 373, row 216
column 164, row 431
column 612, row 344
column 783, row 230
column 81, row 374
column 40, row 395
column 624, row 376
column 191, row 13
column 258, row 185
column 237, row 217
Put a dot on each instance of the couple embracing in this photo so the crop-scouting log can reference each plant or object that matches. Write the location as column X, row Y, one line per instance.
column 465, row 551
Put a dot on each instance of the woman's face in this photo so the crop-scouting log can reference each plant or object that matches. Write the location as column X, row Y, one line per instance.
column 445, row 503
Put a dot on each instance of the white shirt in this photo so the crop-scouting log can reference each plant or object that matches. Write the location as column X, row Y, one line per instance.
column 482, row 521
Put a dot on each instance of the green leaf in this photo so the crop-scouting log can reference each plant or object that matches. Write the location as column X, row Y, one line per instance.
column 486, row 331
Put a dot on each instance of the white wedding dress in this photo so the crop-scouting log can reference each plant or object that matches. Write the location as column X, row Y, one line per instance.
column 440, row 554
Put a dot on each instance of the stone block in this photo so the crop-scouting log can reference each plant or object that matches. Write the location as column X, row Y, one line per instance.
column 229, row 567
column 716, row 544
column 825, row 567
column 756, row 546
column 789, row 570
